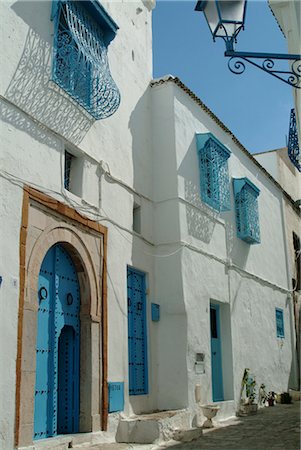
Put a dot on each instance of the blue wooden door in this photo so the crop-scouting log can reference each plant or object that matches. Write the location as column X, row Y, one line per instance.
column 137, row 337
column 216, row 355
column 56, row 408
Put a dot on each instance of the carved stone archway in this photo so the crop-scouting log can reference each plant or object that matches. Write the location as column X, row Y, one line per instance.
column 85, row 241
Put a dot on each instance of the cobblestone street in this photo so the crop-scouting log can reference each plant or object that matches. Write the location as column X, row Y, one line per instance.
column 271, row 428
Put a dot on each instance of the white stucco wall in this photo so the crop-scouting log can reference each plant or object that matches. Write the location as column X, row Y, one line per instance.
column 248, row 281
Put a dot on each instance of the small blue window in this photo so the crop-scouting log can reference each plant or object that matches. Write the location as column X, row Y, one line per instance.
column 67, row 169
column 214, row 176
column 116, row 396
column 82, row 32
column 279, row 323
column 246, row 210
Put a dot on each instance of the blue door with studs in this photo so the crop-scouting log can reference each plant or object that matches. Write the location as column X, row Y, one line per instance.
column 137, row 342
column 56, row 408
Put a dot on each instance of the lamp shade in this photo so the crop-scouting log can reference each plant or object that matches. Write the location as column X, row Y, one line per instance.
column 225, row 18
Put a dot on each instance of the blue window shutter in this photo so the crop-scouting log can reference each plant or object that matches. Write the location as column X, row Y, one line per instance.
column 279, row 323
column 137, row 332
column 246, row 210
column 82, row 32
column 214, row 175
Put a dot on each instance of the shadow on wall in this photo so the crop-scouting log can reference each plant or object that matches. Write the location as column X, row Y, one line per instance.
column 237, row 250
column 33, row 91
column 201, row 219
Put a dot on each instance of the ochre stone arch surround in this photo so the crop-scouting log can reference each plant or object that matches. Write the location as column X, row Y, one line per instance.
column 46, row 222
column 68, row 237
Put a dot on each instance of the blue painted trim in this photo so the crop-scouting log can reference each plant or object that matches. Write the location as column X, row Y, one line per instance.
column 202, row 138
column 116, row 396
column 239, row 183
column 98, row 12
column 279, row 322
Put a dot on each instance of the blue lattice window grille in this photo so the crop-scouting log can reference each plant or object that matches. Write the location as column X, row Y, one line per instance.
column 82, row 33
column 246, row 210
column 293, row 144
column 214, row 175
column 279, row 323
column 116, row 396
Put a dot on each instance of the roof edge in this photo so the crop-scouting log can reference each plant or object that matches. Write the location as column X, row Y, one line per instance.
column 193, row 96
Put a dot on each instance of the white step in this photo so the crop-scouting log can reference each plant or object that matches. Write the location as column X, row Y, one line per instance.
column 152, row 428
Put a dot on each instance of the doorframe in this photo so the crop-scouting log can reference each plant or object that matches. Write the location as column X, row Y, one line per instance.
column 61, row 224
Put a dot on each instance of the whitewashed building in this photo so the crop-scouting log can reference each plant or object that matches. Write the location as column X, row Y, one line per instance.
column 279, row 164
column 144, row 252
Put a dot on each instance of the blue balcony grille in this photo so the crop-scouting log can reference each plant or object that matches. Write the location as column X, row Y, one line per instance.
column 246, row 210
column 80, row 61
column 293, row 144
column 214, row 175
column 279, row 323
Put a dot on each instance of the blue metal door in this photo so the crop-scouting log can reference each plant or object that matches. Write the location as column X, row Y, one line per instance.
column 56, row 407
column 137, row 342
column 216, row 355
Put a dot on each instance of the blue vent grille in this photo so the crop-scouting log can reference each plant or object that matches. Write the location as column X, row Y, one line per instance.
column 137, row 343
column 214, row 175
column 246, row 210
column 293, row 144
column 80, row 64
column 279, row 323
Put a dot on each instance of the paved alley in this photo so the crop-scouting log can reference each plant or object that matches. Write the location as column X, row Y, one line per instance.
column 271, row 428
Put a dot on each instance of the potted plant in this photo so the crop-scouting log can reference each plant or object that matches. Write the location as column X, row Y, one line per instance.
column 271, row 398
column 247, row 403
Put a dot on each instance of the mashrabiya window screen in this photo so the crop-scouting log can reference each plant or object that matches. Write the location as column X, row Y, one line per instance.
column 246, row 210
column 214, row 175
column 80, row 63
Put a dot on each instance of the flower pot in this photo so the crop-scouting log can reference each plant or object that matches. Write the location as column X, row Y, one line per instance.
column 247, row 410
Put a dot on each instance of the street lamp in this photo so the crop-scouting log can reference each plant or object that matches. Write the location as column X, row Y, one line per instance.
column 226, row 19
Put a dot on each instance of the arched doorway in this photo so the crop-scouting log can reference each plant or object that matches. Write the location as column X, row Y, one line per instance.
column 56, row 408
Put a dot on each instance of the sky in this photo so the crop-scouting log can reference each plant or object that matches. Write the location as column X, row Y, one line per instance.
column 255, row 106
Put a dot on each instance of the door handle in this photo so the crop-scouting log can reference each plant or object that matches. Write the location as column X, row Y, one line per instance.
column 214, row 353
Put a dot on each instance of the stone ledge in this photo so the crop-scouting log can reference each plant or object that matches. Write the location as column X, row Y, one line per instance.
column 188, row 435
